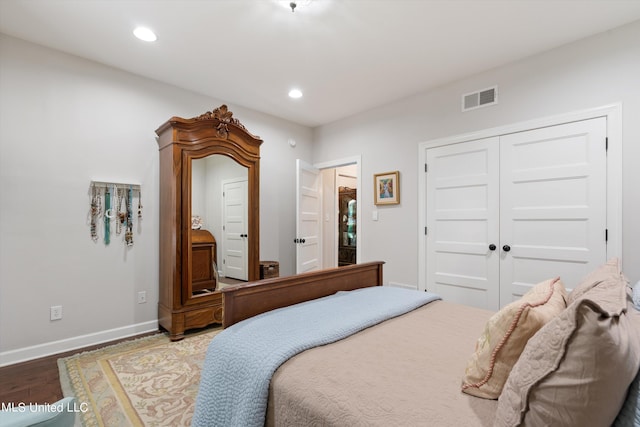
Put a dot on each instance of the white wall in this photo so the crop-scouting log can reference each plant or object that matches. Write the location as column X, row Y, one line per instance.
column 590, row 73
column 63, row 122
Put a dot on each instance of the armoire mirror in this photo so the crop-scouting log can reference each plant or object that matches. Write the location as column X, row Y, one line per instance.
column 219, row 213
column 209, row 215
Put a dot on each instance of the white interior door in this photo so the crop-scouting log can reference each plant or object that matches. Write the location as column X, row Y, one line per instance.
column 235, row 242
column 553, row 205
column 308, row 205
column 463, row 222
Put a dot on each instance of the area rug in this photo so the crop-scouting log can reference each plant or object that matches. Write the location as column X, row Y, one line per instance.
column 149, row 381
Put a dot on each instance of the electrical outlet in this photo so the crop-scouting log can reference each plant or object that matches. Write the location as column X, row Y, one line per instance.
column 142, row 297
column 56, row 312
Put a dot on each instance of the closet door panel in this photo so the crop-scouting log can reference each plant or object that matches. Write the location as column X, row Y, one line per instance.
column 552, row 205
column 462, row 222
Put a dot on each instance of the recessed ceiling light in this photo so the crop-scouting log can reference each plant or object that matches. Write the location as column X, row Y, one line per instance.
column 295, row 93
column 145, row 34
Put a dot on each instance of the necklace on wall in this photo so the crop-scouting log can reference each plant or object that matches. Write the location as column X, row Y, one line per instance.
column 120, row 216
column 96, row 209
column 107, row 217
column 140, row 204
column 128, row 235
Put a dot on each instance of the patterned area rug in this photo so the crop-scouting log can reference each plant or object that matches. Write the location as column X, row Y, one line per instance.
column 150, row 381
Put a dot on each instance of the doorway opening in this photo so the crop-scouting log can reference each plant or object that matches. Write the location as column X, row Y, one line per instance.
column 339, row 212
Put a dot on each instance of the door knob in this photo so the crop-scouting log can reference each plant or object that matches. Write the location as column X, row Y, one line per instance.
column 506, row 248
column 492, row 247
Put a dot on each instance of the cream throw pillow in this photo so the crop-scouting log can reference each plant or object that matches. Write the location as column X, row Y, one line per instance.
column 506, row 334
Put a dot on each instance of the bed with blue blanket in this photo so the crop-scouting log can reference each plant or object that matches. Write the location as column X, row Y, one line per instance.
column 256, row 372
column 335, row 348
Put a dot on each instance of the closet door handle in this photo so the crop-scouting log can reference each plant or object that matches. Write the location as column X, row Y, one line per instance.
column 506, row 248
column 492, row 247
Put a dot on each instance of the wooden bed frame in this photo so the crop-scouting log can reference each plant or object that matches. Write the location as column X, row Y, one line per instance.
column 243, row 301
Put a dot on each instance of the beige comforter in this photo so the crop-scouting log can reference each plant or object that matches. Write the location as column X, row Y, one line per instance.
column 403, row 372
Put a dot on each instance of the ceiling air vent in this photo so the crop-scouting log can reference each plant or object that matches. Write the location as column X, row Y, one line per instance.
column 482, row 98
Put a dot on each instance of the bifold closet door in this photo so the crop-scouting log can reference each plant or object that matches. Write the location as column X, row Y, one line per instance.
column 462, row 222
column 552, row 205
column 505, row 213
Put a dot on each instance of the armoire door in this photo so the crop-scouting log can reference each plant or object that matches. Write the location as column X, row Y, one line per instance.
column 507, row 212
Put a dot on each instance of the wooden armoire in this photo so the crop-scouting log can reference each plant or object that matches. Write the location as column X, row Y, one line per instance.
column 182, row 303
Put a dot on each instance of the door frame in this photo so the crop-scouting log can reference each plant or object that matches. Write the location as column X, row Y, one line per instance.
column 332, row 164
column 613, row 114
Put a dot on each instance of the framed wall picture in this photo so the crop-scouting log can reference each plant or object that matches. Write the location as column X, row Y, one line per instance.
column 386, row 188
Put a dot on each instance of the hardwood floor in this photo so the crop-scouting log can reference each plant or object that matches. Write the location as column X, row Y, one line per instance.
column 38, row 381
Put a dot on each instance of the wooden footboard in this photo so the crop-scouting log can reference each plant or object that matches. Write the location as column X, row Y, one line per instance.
column 246, row 300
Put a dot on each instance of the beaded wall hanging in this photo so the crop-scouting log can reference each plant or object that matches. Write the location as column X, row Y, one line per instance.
column 114, row 201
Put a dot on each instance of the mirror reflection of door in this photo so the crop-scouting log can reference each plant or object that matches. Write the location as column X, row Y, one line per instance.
column 234, row 228
column 207, row 210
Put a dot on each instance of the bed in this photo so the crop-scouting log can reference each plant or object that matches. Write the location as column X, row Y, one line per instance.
column 402, row 369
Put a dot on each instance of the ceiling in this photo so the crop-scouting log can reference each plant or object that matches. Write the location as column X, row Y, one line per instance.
column 347, row 56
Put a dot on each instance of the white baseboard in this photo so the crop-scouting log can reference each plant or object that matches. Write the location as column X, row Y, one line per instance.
column 54, row 347
column 402, row 285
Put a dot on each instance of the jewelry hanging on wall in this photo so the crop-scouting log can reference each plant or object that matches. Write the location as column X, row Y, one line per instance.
column 118, row 203
column 107, row 216
column 128, row 235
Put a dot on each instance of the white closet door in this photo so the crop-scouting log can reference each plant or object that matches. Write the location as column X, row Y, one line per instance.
column 553, row 205
column 462, row 222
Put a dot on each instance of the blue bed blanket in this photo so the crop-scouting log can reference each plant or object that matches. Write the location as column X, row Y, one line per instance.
column 240, row 360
